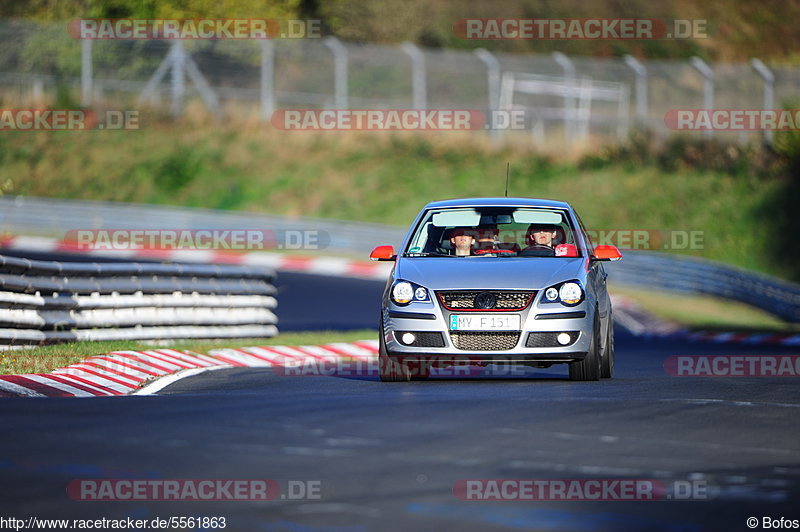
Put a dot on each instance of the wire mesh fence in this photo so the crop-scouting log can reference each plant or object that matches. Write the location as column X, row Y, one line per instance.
column 44, row 63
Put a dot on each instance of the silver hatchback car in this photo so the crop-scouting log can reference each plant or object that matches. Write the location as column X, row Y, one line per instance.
column 507, row 281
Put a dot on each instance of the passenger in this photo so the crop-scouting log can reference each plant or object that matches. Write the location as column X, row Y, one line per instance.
column 489, row 244
column 461, row 240
column 487, row 240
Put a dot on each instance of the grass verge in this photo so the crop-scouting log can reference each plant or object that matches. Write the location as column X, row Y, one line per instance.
column 47, row 358
column 705, row 312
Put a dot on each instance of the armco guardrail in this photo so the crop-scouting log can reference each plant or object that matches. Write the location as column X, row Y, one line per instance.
column 46, row 216
column 690, row 275
column 48, row 302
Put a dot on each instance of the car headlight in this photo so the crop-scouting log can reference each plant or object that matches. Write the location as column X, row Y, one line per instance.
column 568, row 293
column 404, row 293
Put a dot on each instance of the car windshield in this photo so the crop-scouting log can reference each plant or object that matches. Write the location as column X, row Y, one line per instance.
column 494, row 232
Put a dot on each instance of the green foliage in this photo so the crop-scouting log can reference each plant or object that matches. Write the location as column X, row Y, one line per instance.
column 680, row 184
column 178, row 169
column 149, row 9
column 736, row 29
column 681, row 153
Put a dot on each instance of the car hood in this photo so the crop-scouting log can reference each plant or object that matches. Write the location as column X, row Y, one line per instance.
column 489, row 273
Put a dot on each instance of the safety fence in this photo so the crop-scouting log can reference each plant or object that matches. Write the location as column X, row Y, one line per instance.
column 43, row 302
column 566, row 97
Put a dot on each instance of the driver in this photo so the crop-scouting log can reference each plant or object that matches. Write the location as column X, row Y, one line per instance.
column 461, row 239
column 540, row 239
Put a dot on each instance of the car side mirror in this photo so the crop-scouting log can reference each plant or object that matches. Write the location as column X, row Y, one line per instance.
column 606, row 253
column 383, row 253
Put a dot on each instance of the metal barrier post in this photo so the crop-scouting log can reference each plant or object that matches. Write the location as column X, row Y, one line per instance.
column 339, row 71
column 641, row 88
column 708, row 87
column 418, row 75
column 769, row 91
column 569, row 100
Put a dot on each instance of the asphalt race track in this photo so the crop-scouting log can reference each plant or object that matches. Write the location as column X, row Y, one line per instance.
column 388, row 455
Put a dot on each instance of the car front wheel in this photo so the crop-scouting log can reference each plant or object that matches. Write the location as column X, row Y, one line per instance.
column 607, row 368
column 588, row 369
column 389, row 368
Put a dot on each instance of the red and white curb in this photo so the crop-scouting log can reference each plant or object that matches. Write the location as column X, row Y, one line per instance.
column 146, row 372
column 279, row 355
column 295, row 263
column 739, row 338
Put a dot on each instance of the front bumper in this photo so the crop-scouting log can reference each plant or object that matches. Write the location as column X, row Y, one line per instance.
column 432, row 321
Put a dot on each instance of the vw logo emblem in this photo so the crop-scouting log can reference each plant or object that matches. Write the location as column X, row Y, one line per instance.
column 485, row 300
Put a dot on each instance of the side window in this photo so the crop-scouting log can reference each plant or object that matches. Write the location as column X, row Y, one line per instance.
column 589, row 242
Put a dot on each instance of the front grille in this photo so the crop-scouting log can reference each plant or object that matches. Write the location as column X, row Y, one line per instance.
column 422, row 338
column 484, row 341
column 549, row 339
column 510, row 300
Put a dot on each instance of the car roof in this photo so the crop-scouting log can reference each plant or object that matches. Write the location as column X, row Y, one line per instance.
column 498, row 202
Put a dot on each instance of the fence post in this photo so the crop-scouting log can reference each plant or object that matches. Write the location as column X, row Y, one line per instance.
column 769, row 91
column 178, row 78
column 493, row 80
column 86, row 72
column 708, row 87
column 569, row 100
column 641, row 88
column 339, row 71
column 623, row 117
column 418, row 82
column 267, row 87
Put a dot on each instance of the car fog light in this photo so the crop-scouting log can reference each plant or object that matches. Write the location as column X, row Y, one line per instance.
column 408, row 338
column 563, row 338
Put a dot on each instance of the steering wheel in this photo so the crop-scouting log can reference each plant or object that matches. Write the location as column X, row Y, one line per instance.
column 539, row 250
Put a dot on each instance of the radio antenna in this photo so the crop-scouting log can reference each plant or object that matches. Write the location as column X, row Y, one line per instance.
column 508, row 167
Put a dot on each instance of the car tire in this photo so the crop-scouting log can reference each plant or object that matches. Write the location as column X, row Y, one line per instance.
column 418, row 367
column 389, row 368
column 607, row 366
column 588, row 369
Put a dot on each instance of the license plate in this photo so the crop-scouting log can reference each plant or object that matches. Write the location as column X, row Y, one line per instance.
column 484, row 322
